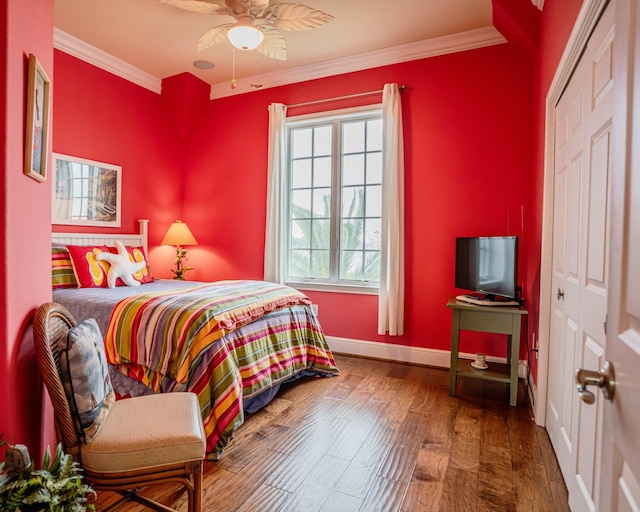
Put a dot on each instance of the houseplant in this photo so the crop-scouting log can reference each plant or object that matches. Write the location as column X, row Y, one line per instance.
column 56, row 487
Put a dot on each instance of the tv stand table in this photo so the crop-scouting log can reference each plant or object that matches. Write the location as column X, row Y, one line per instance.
column 493, row 319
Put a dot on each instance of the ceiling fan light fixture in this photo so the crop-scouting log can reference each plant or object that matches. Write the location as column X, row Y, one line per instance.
column 244, row 35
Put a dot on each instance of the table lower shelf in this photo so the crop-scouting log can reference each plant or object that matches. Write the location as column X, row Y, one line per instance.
column 498, row 372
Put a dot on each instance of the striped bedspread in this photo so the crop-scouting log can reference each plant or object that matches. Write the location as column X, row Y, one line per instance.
column 185, row 341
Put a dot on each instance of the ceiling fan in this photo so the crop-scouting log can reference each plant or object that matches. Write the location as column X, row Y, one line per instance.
column 258, row 24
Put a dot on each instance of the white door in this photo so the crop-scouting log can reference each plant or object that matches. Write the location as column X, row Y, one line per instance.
column 582, row 165
column 620, row 475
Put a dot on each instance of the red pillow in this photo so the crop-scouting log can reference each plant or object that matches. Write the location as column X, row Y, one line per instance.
column 90, row 273
column 136, row 254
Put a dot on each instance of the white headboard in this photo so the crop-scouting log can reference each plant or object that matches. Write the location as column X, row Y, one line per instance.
column 138, row 239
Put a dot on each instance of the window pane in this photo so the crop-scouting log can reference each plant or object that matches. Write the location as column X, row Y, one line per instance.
column 352, row 202
column 300, row 264
column 374, row 135
column 321, row 234
column 351, row 265
column 322, row 203
column 351, row 234
column 322, row 172
column 372, row 265
column 301, row 234
column 301, row 143
column 301, row 203
column 322, row 141
column 353, row 170
column 320, row 264
column 374, row 201
column 353, row 137
column 373, row 229
column 301, row 173
column 374, row 168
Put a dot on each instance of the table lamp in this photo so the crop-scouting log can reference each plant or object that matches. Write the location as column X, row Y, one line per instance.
column 179, row 235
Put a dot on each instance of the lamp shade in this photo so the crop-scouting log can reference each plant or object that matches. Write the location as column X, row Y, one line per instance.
column 179, row 234
column 244, row 35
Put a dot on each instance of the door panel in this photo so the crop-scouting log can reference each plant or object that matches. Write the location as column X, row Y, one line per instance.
column 620, row 477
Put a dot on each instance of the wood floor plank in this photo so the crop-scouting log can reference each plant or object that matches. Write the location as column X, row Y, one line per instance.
column 339, row 502
column 427, row 480
column 385, row 496
column 381, row 436
column 358, row 478
column 317, row 487
column 548, row 456
column 460, row 491
column 496, row 485
column 495, row 429
column 265, row 498
column 400, row 460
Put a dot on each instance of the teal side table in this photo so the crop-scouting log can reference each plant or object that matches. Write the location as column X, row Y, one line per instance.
column 492, row 319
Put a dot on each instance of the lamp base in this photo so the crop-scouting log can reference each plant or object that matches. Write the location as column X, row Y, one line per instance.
column 179, row 272
column 180, row 268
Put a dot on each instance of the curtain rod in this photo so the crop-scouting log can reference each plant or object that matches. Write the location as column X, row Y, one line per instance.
column 401, row 88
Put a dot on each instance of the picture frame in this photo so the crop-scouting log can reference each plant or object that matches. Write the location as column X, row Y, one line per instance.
column 36, row 140
column 85, row 192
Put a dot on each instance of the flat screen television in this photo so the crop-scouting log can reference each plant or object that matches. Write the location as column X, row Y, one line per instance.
column 488, row 266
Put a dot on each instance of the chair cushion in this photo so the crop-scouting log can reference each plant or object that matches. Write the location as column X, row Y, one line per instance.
column 145, row 432
column 85, row 378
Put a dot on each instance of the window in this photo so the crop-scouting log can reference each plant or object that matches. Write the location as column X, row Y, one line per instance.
column 334, row 208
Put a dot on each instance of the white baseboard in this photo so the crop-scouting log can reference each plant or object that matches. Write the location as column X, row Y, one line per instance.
column 406, row 354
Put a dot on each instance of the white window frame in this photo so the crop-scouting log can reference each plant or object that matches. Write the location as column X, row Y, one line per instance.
column 365, row 288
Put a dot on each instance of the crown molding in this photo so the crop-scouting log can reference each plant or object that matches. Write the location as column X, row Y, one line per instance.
column 469, row 40
column 463, row 41
column 99, row 58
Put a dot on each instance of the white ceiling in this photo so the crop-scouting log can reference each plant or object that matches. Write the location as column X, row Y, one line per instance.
column 160, row 40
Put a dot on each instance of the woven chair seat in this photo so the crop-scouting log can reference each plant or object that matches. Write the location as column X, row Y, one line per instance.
column 133, row 439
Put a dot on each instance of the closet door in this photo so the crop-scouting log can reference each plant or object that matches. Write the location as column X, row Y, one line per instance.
column 580, row 261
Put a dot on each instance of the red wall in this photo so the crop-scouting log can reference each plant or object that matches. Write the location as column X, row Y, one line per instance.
column 468, row 151
column 27, row 27
column 102, row 117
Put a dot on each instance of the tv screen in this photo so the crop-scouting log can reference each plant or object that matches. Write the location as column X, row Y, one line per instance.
column 488, row 265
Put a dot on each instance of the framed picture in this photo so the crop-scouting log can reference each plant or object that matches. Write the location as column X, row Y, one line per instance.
column 85, row 193
column 37, row 130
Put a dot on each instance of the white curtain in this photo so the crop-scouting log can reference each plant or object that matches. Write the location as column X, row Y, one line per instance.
column 273, row 250
column 391, row 298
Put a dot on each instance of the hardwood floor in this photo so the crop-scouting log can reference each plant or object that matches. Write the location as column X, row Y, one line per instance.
column 382, row 436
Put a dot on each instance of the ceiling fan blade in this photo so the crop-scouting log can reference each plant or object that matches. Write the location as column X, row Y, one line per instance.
column 260, row 3
column 274, row 44
column 198, row 6
column 214, row 36
column 295, row 16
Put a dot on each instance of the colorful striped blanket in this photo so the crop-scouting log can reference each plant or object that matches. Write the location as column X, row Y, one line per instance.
column 186, row 341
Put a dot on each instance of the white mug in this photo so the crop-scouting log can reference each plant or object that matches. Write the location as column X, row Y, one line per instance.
column 481, row 359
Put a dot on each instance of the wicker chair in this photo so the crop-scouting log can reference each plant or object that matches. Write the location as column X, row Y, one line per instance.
column 143, row 441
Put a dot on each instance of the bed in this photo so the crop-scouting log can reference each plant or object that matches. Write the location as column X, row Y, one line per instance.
column 233, row 343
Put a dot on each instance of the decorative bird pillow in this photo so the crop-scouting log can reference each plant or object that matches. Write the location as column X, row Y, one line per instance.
column 121, row 266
